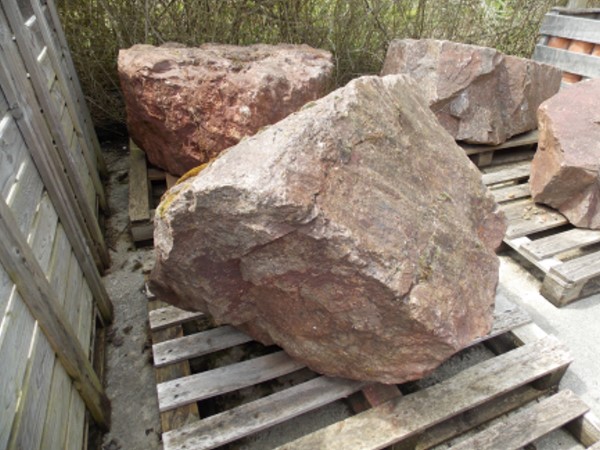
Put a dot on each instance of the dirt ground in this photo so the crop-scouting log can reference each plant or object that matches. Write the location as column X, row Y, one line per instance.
column 130, row 381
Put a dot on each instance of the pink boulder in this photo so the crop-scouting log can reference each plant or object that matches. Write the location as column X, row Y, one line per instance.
column 566, row 167
column 355, row 234
column 478, row 94
column 186, row 105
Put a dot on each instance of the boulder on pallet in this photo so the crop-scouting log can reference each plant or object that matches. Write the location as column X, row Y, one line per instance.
column 185, row 105
column 478, row 94
column 565, row 171
column 355, row 234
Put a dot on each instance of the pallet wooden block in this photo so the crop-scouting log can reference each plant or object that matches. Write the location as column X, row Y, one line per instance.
column 447, row 409
column 518, row 148
column 564, row 254
column 146, row 185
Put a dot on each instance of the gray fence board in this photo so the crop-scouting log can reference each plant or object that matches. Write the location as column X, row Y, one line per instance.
column 570, row 27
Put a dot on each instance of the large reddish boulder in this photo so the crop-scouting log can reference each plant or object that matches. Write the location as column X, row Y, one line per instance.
column 186, row 105
column 478, row 94
column 355, row 234
column 565, row 172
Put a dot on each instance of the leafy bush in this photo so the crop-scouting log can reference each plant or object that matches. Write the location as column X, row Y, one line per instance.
column 357, row 32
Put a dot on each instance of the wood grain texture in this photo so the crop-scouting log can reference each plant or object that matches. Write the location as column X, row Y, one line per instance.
column 19, row 94
column 561, row 242
column 139, row 186
column 12, row 154
column 197, row 344
column 171, row 315
column 178, row 417
column 520, row 140
column 31, row 281
column 55, row 426
column 404, row 417
column 576, row 28
column 196, row 387
column 258, row 415
column 578, row 63
column 528, row 425
column 509, row 193
column 519, row 172
column 580, row 269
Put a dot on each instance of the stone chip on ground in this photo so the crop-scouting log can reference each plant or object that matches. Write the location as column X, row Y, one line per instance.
column 355, row 234
column 478, row 94
column 185, row 105
column 565, row 169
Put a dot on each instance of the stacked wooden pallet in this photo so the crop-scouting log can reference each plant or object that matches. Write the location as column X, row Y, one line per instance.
column 566, row 255
column 523, row 372
column 570, row 40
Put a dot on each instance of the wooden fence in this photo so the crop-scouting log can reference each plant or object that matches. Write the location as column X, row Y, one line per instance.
column 51, row 245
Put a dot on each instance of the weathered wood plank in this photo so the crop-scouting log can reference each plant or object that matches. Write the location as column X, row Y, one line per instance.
column 519, row 172
column 51, row 163
column 477, row 416
column 12, row 153
column 16, row 334
column 169, row 316
column 72, row 306
column 586, row 430
column 25, row 195
column 258, row 415
column 55, row 425
column 579, row 269
column 42, row 240
column 509, row 193
column 577, row 28
column 86, row 319
column 521, row 140
column 59, row 265
column 528, row 425
column 561, row 242
column 404, row 417
column 51, row 15
column 29, row 424
column 139, row 188
column 172, row 394
column 75, row 422
column 40, row 82
column 20, row 263
column 174, row 418
column 197, row 344
column 526, row 217
column 579, row 63
column 90, row 250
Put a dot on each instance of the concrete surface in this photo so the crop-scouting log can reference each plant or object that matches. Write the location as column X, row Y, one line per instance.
column 577, row 325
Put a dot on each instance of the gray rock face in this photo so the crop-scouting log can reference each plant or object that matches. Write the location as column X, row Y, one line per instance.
column 186, row 105
column 355, row 234
column 566, row 167
column 478, row 94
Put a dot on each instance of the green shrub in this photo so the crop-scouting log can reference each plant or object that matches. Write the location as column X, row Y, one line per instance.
column 356, row 31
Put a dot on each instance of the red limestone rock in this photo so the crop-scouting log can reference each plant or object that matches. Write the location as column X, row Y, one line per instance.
column 186, row 105
column 566, row 167
column 478, row 94
column 355, row 234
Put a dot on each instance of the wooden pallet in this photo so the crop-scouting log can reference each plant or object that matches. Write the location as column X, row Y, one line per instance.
column 570, row 40
column 567, row 256
column 523, row 372
column 146, row 186
column 518, row 148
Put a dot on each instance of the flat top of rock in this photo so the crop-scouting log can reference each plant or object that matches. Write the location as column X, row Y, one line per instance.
column 215, row 58
column 575, row 117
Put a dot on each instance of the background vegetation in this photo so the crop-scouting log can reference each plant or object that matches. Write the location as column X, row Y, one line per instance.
column 356, row 31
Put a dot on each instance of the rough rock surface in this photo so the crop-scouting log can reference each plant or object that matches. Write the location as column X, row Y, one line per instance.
column 478, row 94
column 566, row 167
column 355, row 234
column 185, row 105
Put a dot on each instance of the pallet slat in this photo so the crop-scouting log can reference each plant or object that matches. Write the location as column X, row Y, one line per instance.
column 514, row 192
column 193, row 388
column 171, row 315
column 576, row 28
column 526, row 217
column 579, row 269
column 579, row 63
column 260, row 414
column 198, row 344
column 521, row 140
column 402, row 418
column 528, row 425
column 520, row 172
column 561, row 242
